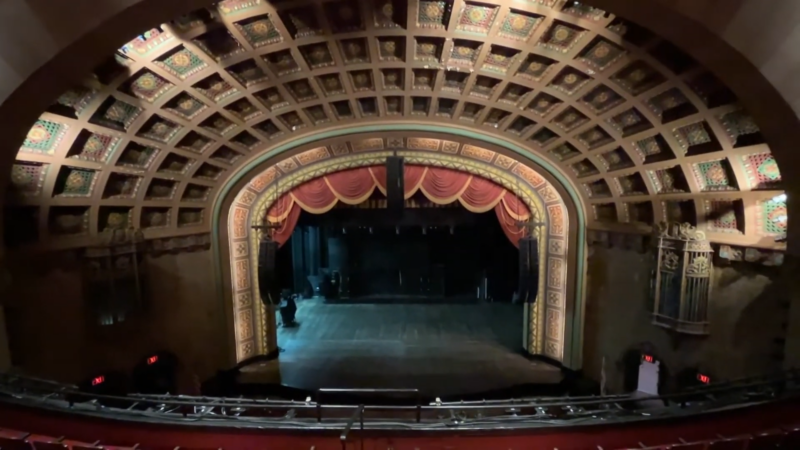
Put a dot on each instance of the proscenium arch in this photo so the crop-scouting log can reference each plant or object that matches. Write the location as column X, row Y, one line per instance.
column 32, row 94
column 244, row 250
column 571, row 258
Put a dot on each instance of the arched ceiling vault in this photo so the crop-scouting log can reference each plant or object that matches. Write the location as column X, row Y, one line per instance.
column 641, row 129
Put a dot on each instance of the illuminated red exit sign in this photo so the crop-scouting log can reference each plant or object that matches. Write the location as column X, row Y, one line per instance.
column 98, row 380
column 705, row 379
column 648, row 358
column 152, row 360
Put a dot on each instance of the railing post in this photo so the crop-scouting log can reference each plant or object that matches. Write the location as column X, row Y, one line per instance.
column 319, row 405
column 419, row 409
column 358, row 413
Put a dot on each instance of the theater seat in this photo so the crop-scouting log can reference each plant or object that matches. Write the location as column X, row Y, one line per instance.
column 47, row 443
column 769, row 440
column 729, row 444
column 74, row 445
column 792, row 438
column 14, row 444
column 689, row 446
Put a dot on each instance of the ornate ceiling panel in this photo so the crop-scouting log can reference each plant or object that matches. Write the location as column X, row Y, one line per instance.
column 642, row 131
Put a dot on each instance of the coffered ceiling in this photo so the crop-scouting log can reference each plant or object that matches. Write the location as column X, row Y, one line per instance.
column 642, row 131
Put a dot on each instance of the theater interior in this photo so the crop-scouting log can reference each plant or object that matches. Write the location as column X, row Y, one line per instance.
column 388, row 224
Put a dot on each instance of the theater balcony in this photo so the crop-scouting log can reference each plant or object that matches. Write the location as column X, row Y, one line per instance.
column 756, row 413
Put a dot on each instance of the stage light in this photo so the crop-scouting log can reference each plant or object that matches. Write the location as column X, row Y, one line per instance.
column 705, row 379
column 152, row 360
column 648, row 358
column 98, row 380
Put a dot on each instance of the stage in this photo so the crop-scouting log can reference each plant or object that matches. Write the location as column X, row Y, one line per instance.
column 442, row 349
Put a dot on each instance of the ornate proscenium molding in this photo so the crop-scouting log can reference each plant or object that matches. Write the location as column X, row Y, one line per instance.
column 682, row 284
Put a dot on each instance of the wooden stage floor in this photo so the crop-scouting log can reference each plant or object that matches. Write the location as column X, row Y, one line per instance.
column 440, row 349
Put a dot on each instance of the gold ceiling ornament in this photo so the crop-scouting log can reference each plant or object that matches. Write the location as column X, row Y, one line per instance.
column 261, row 28
column 602, row 51
column 519, row 22
column 561, row 34
column 638, row 75
column 181, row 60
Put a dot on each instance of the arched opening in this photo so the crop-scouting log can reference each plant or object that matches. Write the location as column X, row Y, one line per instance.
column 381, row 290
column 257, row 191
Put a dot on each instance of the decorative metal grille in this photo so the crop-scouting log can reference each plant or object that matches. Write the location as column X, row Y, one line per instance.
column 682, row 284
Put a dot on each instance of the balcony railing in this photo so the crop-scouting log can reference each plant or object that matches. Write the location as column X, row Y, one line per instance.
column 522, row 413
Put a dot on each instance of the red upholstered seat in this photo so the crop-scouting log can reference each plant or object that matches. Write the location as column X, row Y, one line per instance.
column 769, row 440
column 690, row 446
column 7, row 443
column 49, row 445
column 77, row 445
column 739, row 443
column 792, row 438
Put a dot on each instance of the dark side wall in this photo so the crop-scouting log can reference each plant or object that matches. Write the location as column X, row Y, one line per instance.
column 51, row 335
column 746, row 312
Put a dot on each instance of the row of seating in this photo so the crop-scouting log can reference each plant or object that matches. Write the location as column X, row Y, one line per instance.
column 782, row 438
column 17, row 440
column 778, row 439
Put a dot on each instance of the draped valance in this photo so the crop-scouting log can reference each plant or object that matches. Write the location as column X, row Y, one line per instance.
column 437, row 184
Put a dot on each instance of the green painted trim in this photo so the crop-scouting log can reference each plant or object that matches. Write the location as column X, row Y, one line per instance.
column 577, row 317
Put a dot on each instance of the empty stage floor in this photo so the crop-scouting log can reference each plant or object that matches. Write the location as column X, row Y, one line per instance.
column 441, row 349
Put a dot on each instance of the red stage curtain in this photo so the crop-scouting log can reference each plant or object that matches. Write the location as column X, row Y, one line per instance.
column 508, row 222
column 412, row 175
column 280, row 209
column 315, row 196
column 351, row 186
column 443, row 186
column 439, row 185
column 282, row 234
column 379, row 176
column 286, row 213
column 481, row 195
